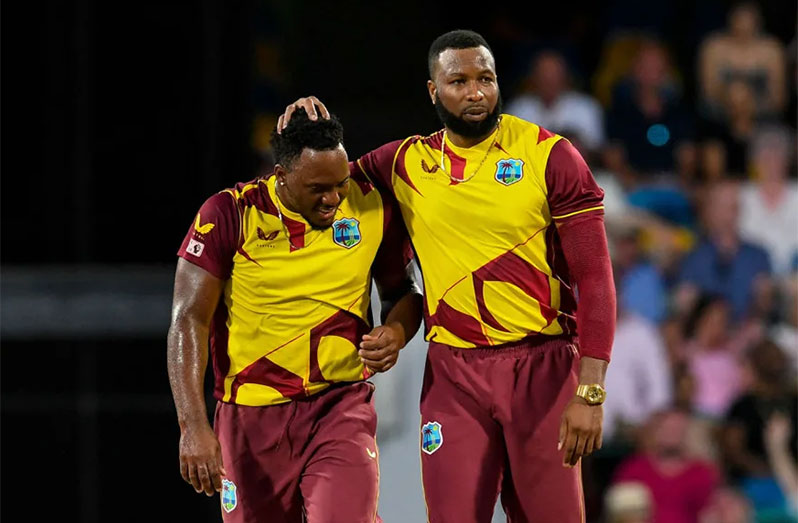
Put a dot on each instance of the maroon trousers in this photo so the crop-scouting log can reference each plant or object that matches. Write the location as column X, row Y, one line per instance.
column 490, row 421
column 314, row 458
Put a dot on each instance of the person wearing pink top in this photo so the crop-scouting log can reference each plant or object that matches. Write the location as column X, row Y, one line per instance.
column 680, row 485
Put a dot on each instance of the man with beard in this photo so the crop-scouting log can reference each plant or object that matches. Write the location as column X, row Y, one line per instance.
column 277, row 274
column 506, row 220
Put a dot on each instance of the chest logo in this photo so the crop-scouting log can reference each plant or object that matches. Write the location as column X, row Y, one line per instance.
column 346, row 232
column 267, row 236
column 509, row 171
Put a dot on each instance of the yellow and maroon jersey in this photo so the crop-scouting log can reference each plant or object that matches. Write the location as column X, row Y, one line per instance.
column 483, row 227
column 293, row 309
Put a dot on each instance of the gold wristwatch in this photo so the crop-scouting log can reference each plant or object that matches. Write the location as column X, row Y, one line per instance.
column 593, row 394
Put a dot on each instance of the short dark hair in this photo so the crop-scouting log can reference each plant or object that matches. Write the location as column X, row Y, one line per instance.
column 457, row 39
column 301, row 133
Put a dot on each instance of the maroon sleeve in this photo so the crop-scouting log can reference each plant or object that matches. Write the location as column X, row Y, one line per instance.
column 571, row 187
column 378, row 165
column 584, row 245
column 212, row 238
column 395, row 252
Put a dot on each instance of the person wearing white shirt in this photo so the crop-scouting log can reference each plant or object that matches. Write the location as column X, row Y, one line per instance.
column 555, row 107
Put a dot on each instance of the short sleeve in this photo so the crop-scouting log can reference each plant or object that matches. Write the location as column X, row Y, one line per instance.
column 572, row 190
column 377, row 165
column 212, row 238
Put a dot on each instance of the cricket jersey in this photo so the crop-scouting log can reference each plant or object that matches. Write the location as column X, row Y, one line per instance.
column 482, row 221
column 296, row 300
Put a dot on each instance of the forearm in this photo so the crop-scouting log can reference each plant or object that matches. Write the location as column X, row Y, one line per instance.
column 187, row 357
column 592, row 370
column 406, row 312
column 584, row 245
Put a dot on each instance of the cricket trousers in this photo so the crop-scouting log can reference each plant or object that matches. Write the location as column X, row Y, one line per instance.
column 490, row 420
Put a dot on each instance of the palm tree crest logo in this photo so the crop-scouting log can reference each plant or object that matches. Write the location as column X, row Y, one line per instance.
column 509, row 171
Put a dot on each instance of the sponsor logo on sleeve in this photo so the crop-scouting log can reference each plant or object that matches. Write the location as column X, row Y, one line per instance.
column 203, row 229
column 194, row 247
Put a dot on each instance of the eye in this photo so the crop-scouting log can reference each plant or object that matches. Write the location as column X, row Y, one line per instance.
column 457, row 81
column 487, row 79
column 344, row 183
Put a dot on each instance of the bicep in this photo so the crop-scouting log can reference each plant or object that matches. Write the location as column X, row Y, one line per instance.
column 196, row 293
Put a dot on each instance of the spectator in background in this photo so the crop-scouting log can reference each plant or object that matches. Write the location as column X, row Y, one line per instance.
column 769, row 204
column 725, row 142
column 785, row 331
column 628, row 502
column 641, row 289
column 680, row 484
column 712, row 358
column 722, row 263
column 727, row 505
column 639, row 376
column 743, row 52
column 551, row 103
column 781, row 459
column 744, row 435
column 647, row 122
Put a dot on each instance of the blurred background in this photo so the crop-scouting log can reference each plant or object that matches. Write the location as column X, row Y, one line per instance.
column 120, row 119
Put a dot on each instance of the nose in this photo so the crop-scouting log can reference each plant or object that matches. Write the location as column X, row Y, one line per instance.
column 332, row 198
column 474, row 93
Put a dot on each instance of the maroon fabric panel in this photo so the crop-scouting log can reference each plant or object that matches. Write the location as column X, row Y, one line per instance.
column 219, row 337
column 569, row 180
column 584, row 245
column 265, row 372
column 511, row 268
column 341, row 324
column 500, row 408
column 378, row 165
column 559, row 267
column 460, row 324
column 395, row 251
column 303, row 456
column 212, row 245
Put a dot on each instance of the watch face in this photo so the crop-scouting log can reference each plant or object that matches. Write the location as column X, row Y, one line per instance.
column 595, row 395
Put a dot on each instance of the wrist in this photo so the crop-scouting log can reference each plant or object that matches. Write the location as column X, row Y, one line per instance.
column 192, row 423
column 399, row 331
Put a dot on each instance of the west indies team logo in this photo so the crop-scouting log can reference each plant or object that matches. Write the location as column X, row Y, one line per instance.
column 346, row 232
column 229, row 495
column 431, row 437
column 509, row 171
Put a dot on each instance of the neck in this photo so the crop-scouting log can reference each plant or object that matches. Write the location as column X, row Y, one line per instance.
column 464, row 141
column 279, row 190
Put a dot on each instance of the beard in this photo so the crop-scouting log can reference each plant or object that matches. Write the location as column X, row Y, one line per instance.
column 464, row 127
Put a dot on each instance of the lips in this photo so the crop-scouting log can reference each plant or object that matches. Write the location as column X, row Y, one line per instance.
column 326, row 213
column 475, row 113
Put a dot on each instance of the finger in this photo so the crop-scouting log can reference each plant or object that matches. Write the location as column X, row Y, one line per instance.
column 376, row 344
column 194, row 478
column 381, row 365
column 570, row 446
column 205, row 479
column 377, row 354
column 184, row 471
column 563, row 432
column 599, row 440
column 287, row 115
column 280, row 124
column 216, row 477
column 322, row 108
column 310, row 108
column 590, row 445
column 579, row 450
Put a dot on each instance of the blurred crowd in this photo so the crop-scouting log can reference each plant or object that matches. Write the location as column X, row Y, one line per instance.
column 702, row 216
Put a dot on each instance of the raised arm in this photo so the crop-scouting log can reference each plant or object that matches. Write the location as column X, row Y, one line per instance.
column 196, row 295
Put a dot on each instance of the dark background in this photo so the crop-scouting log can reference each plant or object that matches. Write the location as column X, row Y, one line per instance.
column 120, row 118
